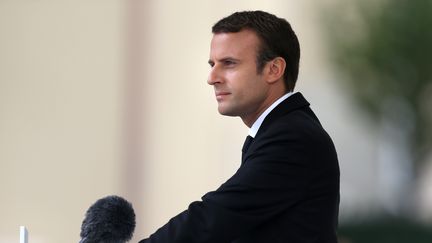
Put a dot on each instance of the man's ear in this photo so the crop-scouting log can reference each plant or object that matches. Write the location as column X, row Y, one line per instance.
column 275, row 69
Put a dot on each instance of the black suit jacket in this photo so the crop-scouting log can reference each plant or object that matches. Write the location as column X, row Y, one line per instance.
column 286, row 190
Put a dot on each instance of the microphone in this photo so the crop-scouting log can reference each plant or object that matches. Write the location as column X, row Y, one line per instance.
column 109, row 220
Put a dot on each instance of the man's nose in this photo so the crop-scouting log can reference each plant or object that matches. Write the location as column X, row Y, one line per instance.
column 214, row 76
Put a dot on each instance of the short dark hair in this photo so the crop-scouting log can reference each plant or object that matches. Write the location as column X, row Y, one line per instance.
column 276, row 36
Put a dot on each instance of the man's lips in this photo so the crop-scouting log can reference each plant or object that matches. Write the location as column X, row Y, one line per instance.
column 221, row 94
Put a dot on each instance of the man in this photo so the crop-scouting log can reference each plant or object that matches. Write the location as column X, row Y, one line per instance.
column 287, row 187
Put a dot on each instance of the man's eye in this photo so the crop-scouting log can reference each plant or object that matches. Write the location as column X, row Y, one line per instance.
column 229, row 63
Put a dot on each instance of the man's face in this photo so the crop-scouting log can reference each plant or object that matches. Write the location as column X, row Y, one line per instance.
column 239, row 89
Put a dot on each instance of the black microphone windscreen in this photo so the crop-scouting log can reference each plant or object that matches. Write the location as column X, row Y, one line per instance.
column 109, row 220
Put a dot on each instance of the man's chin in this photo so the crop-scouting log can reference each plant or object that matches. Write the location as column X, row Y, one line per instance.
column 226, row 112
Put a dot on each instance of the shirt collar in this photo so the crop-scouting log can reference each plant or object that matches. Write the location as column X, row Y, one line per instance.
column 257, row 124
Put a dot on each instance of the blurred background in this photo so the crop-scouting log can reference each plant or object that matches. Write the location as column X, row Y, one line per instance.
column 110, row 97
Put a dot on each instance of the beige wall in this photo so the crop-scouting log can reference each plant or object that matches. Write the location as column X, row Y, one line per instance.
column 60, row 114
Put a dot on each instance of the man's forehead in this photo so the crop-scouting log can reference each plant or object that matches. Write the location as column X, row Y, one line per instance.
column 236, row 43
column 244, row 35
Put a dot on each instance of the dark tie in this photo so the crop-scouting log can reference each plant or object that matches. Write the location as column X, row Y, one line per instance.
column 246, row 145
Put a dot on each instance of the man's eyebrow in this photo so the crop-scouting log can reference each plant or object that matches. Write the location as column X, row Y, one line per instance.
column 228, row 59
column 210, row 61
